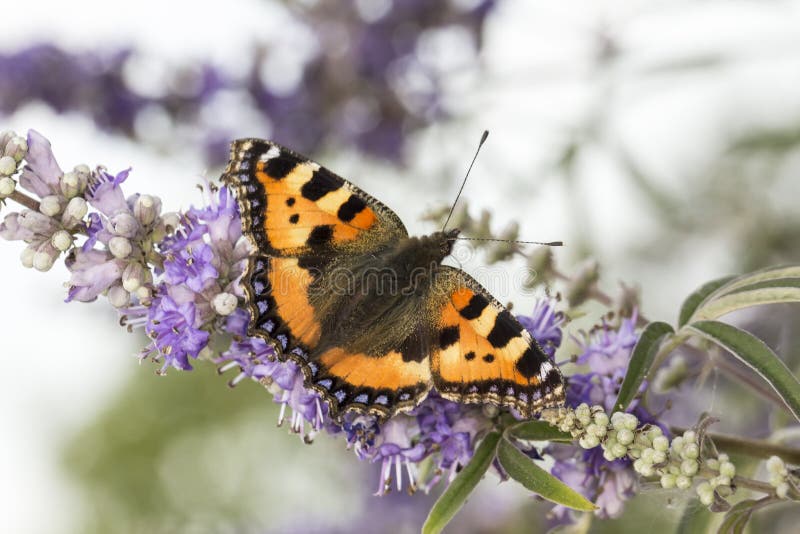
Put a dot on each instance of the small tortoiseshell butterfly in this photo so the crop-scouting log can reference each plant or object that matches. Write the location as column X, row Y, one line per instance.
column 370, row 314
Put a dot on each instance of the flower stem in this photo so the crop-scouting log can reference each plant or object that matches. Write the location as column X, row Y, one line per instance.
column 24, row 199
column 755, row 448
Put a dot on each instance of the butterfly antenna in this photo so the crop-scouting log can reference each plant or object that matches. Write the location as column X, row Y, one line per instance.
column 483, row 140
column 544, row 243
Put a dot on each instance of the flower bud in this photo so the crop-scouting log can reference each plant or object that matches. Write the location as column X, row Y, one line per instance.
column 727, row 469
column 171, row 221
column 225, row 303
column 17, row 147
column 782, row 490
column 689, row 467
column 146, row 209
column 8, row 165
column 691, row 451
column 7, row 186
column 683, row 482
column 27, row 256
column 660, row 443
column 619, row 450
column 133, row 277
column 775, row 465
column 76, row 210
column 667, row 481
column 50, row 205
column 72, row 184
column 118, row 297
column 124, row 224
column 120, row 247
column 625, row 436
column 36, row 222
column 44, row 257
column 144, row 295
column 61, row 240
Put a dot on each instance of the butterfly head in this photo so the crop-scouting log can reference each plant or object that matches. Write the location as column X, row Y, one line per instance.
column 445, row 241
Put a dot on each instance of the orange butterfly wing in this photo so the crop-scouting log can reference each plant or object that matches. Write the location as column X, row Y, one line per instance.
column 483, row 354
column 292, row 206
column 300, row 216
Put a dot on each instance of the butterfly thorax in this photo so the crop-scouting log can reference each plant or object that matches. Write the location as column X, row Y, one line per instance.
column 379, row 299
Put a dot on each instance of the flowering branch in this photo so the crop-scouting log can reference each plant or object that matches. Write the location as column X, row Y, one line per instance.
column 176, row 277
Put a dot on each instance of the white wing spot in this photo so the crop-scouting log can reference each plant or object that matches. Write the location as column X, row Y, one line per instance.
column 273, row 152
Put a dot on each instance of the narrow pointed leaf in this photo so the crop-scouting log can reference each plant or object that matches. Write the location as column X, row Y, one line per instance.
column 770, row 273
column 745, row 299
column 756, row 354
column 534, row 478
column 539, row 431
column 456, row 494
column 693, row 301
column 641, row 360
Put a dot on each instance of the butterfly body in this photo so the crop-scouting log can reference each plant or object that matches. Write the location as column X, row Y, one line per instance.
column 372, row 316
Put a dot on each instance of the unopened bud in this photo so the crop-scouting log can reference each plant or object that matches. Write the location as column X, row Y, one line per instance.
column 7, row 186
column 144, row 295
column 123, row 224
column 61, row 240
column 120, row 247
column 146, row 209
column 225, row 303
column 8, row 165
column 27, row 256
column 17, row 147
column 76, row 210
column 70, row 184
column 133, row 276
column 50, row 206
column 118, row 297
column 44, row 258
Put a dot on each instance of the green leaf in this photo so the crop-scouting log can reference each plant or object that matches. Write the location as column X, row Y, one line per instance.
column 523, row 470
column 737, row 517
column 693, row 301
column 745, row 297
column 696, row 519
column 756, row 354
column 641, row 360
column 770, row 273
column 539, row 431
column 456, row 494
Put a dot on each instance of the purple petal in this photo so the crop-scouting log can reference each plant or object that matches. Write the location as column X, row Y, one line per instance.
column 42, row 172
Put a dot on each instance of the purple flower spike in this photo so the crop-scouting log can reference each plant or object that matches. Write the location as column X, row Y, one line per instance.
column 42, row 172
column 610, row 350
column 175, row 336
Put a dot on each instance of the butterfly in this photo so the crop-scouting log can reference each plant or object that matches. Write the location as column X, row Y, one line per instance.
column 372, row 316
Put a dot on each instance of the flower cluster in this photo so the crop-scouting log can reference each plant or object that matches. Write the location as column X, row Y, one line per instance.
column 608, row 481
column 621, row 437
column 781, row 478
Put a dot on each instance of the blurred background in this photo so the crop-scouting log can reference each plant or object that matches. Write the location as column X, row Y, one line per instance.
column 660, row 137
